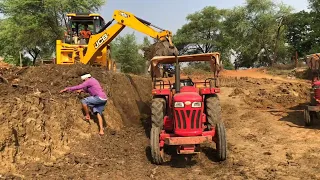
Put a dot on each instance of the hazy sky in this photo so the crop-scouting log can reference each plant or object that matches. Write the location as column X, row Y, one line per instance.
column 171, row 14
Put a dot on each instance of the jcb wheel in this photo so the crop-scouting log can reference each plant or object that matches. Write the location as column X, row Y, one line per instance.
column 156, row 150
column 221, row 142
column 213, row 110
column 158, row 107
column 308, row 117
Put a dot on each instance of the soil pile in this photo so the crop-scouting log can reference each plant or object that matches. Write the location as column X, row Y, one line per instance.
column 277, row 94
column 4, row 65
column 38, row 124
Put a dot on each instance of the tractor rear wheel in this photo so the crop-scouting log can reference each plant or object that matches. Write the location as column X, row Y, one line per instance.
column 158, row 106
column 308, row 117
column 221, row 142
column 156, row 150
column 213, row 110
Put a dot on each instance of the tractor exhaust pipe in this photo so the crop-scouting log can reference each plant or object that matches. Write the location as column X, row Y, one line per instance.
column 177, row 75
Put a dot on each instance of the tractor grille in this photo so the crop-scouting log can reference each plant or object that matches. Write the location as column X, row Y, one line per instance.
column 188, row 119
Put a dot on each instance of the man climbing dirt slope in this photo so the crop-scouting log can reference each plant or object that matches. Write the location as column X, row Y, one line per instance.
column 43, row 137
column 97, row 99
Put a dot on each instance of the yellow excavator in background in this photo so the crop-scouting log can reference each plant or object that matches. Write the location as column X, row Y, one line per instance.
column 68, row 50
column 97, row 49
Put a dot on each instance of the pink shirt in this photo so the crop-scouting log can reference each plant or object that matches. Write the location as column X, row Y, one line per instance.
column 92, row 86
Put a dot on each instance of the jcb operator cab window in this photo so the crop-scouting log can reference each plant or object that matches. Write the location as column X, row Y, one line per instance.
column 82, row 26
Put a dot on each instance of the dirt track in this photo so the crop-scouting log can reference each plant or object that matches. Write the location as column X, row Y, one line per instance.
column 266, row 139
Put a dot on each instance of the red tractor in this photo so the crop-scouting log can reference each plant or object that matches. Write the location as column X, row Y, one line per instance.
column 311, row 111
column 185, row 115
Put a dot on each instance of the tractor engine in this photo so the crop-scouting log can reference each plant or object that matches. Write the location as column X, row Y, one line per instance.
column 188, row 110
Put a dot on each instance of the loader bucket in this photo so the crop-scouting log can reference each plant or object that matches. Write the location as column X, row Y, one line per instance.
column 161, row 48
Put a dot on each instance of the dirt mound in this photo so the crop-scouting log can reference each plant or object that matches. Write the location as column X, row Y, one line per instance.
column 277, row 94
column 236, row 92
column 39, row 124
column 4, row 65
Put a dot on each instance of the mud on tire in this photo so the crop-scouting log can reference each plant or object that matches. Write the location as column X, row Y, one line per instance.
column 213, row 110
column 158, row 107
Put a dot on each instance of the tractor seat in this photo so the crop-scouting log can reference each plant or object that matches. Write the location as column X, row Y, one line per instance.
column 186, row 85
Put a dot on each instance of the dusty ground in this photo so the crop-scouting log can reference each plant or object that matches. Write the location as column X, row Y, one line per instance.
column 262, row 113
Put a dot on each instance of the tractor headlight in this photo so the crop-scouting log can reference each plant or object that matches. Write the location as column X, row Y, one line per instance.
column 178, row 104
column 196, row 104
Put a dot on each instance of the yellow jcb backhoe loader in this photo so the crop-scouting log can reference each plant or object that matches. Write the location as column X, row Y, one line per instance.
column 98, row 44
column 68, row 50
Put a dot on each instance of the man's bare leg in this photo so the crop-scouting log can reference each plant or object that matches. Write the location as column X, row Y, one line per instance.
column 86, row 110
column 100, row 124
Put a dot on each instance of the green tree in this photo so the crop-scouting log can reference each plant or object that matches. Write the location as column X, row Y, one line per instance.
column 314, row 5
column 204, row 33
column 126, row 52
column 257, row 32
column 146, row 48
column 33, row 26
column 146, row 42
column 300, row 33
column 314, row 16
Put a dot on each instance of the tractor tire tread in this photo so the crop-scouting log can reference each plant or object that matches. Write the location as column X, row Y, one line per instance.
column 213, row 110
column 157, row 112
column 155, row 146
column 221, row 142
column 308, row 117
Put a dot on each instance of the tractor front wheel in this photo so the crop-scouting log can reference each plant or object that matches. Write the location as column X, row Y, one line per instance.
column 156, row 150
column 308, row 117
column 221, row 141
column 213, row 110
column 158, row 107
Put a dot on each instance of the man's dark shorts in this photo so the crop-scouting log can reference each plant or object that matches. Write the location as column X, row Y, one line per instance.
column 96, row 103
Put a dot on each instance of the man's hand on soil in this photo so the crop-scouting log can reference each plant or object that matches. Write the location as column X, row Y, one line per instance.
column 79, row 91
column 63, row 90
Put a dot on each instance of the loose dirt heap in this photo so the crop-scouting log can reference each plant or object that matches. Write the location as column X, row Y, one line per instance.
column 39, row 125
column 277, row 94
column 4, row 65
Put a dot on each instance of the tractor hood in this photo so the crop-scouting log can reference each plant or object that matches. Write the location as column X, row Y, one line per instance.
column 187, row 96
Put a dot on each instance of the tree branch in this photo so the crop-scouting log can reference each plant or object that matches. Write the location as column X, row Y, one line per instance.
column 200, row 48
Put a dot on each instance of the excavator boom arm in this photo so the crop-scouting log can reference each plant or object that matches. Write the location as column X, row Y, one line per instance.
column 100, row 40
